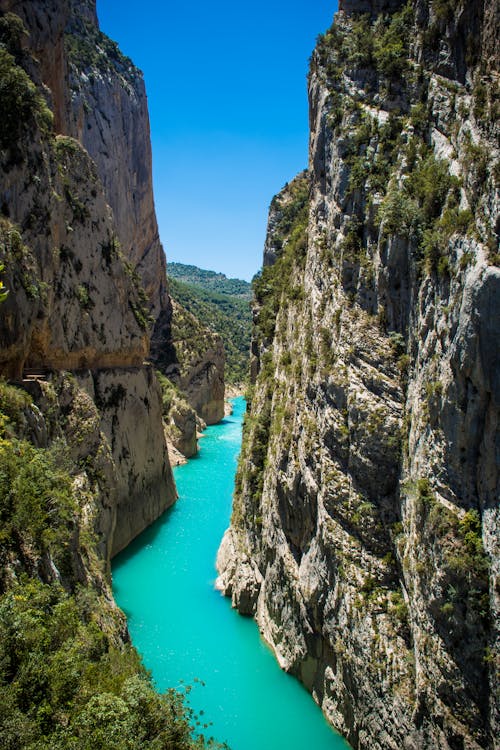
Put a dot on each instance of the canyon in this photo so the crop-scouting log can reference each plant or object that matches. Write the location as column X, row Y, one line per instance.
column 82, row 255
column 364, row 530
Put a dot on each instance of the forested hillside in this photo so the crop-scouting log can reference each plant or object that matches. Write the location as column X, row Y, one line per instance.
column 224, row 312
column 209, row 280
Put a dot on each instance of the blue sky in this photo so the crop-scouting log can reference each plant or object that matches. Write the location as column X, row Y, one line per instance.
column 226, row 86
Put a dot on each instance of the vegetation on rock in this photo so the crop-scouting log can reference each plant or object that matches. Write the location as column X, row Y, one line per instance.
column 227, row 314
column 373, row 322
column 69, row 678
column 21, row 101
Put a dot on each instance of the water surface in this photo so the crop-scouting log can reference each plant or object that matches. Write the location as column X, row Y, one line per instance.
column 187, row 632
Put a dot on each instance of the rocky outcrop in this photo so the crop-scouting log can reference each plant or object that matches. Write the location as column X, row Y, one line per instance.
column 72, row 302
column 183, row 428
column 99, row 99
column 129, row 404
column 106, row 421
column 181, row 422
column 107, row 112
column 84, row 464
column 99, row 103
column 364, row 534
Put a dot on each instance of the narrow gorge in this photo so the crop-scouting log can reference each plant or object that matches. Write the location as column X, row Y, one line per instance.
column 364, row 534
column 164, row 580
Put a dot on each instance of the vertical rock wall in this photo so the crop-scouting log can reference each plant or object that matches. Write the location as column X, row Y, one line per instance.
column 106, row 110
column 98, row 97
column 75, row 302
column 364, row 536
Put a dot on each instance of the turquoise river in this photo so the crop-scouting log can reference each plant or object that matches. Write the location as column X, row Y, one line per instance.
column 187, row 632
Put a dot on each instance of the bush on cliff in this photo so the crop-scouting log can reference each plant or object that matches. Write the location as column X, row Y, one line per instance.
column 68, row 678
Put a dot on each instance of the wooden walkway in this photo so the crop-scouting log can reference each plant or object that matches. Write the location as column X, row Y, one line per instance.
column 36, row 373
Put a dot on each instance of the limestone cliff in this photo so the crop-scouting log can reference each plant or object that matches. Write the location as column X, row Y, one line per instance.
column 107, row 112
column 364, row 536
column 75, row 303
column 181, row 422
column 98, row 98
column 83, row 458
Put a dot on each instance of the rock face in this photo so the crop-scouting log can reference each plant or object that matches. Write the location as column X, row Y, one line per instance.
column 75, row 303
column 181, row 422
column 183, row 430
column 364, row 536
column 107, row 112
column 72, row 302
column 129, row 403
column 196, row 364
column 99, row 99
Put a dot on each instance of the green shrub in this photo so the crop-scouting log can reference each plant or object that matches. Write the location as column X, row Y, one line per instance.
column 82, row 295
column 419, row 117
column 352, row 243
column 67, row 679
column 274, row 282
column 168, row 392
column 36, row 497
column 444, row 9
column 390, row 48
column 4, row 293
column 63, row 685
column 359, row 43
column 12, row 31
column 383, row 45
column 429, row 184
column 425, row 493
column 398, row 610
column 21, row 104
column 20, row 259
column 464, row 567
column 90, row 48
column 13, row 403
column 425, row 209
column 399, row 214
column 397, row 343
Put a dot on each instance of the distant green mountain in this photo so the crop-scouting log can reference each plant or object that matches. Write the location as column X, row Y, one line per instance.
column 211, row 281
column 227, row 314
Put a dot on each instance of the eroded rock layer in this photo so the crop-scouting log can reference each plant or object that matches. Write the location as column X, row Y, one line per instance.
column 197, row 366
column 364, row 536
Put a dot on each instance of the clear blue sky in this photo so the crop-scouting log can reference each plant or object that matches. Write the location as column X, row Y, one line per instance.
column 226, row 84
